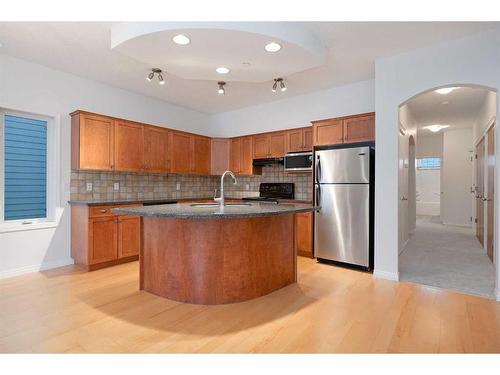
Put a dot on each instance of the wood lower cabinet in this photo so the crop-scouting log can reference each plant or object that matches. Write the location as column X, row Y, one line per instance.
column 156, row 150
column 181, row 153
column 92, row 141
column 129, row 146
column 100, row 238
column 349, row 129
column 304, row 234
column 129, row 236
column 201, row 149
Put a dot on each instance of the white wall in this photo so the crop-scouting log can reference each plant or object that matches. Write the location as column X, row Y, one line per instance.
column 456, row 169
column 485, row 116
column 298, row 111
column 33, row 88
column 472, row 60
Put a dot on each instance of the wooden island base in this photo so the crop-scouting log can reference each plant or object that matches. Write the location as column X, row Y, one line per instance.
column 217, row 261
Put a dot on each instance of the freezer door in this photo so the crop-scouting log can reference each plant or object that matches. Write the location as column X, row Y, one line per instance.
column 341, row 229
column 344, row 166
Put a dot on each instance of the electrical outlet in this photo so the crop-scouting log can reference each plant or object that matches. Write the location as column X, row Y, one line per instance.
column 247, row 186
column 178, row 186
column 89, row 186
column 116, row 186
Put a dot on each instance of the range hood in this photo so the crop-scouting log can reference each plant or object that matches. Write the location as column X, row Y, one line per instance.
column 267, row 161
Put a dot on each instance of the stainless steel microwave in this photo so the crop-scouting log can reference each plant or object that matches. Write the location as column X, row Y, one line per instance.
column 298, row 162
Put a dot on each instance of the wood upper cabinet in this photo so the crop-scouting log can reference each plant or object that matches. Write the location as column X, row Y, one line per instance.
column 246, row 159
column 295, row 141
column 307, row 139
column 303, row 234
column 129, row 146
column 359, row 128
column 201, row 155
column 181, row 152
column 129, row 236
column 277, row 144
column 220, row 155
column 349, row 129
column 92, row 139
column 102, row 239
column 235, row 155
column 156, row 155
column 261, row 146
column 328, row 132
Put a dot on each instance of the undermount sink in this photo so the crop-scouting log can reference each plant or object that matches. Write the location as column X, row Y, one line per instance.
column 208, row 205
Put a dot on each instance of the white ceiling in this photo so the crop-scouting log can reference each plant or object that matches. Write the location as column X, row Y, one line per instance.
column 458, row 109
column 85, row 49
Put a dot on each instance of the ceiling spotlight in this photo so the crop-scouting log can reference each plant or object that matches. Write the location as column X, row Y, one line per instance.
column 154, row 71
column 435, row 128
column 272, row 47
column 221, row 90
column 181, row 39
column 446, row 90
column 280, row 82
column 222, row 70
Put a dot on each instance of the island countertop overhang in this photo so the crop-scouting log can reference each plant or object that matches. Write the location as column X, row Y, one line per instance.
column 188, row 211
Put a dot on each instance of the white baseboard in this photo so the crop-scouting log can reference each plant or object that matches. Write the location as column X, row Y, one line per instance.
column 36, row 268
column 394, row 276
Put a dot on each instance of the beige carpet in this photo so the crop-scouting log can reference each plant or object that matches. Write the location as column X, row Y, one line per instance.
column 447, row 257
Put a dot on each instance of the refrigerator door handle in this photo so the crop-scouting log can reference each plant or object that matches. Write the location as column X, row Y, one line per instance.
column 318, row 195
column 318, row 169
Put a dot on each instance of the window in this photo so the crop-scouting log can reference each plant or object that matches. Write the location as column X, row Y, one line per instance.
column 24, row 168
column 429, row 163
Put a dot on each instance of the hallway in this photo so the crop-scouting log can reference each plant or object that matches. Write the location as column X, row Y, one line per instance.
column 447, row 257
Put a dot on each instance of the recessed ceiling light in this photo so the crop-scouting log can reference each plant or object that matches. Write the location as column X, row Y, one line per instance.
column 272, row 47
column 446, row 90
column 222, row 70
column 181, row 39
column 435, row 128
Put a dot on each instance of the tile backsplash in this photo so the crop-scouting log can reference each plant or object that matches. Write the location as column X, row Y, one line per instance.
column 149, row 186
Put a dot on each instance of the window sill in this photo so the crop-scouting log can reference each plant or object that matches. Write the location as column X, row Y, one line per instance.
column 7, row 228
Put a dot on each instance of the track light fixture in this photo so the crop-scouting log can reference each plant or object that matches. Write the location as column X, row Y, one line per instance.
column 280, row 82
column 221, row 90
column 154, row 71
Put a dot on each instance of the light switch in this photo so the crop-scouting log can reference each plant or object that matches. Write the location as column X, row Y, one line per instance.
column 116, row 186
column 89, row 186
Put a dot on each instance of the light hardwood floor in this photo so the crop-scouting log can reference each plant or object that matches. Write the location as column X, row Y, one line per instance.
column 330, row 310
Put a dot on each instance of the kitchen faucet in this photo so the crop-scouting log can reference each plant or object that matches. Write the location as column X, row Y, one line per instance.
column 221, row 198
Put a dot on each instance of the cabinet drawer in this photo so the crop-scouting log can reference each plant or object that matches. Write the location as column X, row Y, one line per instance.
column 101, row 211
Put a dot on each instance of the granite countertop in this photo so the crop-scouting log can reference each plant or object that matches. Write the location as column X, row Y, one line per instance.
column 104, row 202
column 187, row 211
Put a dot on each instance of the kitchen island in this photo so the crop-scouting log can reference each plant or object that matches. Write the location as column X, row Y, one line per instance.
column 206, row 254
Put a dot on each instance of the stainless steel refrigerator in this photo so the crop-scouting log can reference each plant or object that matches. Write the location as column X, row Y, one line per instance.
column 344, row 187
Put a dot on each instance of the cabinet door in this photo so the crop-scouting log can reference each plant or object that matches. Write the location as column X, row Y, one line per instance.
column 277, row 144
column 246, row 159
column 102, row 239
column 156, row 155
column 260, row 146
column 303, row 234
column 235, row 155
column 96, row 142
column 181, row 151
column 307, row 139
column 295, row 140
column 327, row 132
column 359, row 128
column 129, row 236
column 220, row 155
column 129, row 146
column 201, row 155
